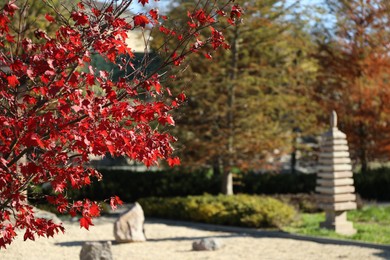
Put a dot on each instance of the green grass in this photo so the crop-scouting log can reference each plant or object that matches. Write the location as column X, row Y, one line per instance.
column 371, row 223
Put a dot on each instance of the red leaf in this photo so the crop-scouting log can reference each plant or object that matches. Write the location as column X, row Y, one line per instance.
column 111, row 148
column 76, row 108
column 181, row 97
column 221, row 13
column 37, row 140
column 166, row 120
column 143, row 2
column 235, row 12
column 50, row 18
column 191, row 24
column 173, row 161
column 79, row 18
column 114, row 201
column 10, row 8
column 87, row 180
column 85, row 222
column 28, row 235
column 81, row 6
column 96, row 12
column 13, row 81
column 208, row 56
column 154, row 14
column 202, row 17
column 140, row 20
column 9, row 38
column 157, row 86
column 4, row 23
column 94, row 210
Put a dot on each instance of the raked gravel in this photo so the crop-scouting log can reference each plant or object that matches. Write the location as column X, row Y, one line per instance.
column 170, row 242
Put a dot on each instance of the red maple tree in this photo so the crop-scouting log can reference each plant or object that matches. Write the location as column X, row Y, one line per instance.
column 52, row 118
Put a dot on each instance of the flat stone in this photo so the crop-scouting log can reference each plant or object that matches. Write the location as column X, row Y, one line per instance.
column 336, row 160
column 335, row 190
column 334, row 167
column 334, row 148
column 328, row 198
column 338, row 206
column 334, row 141
column 335, row 182
column 335, row 175
column 206, row 244
column 335, row 154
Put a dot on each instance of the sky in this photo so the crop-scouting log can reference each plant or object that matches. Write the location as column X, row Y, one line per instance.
column 162, row 4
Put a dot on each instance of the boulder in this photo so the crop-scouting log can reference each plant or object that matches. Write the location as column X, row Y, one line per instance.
column 129, row 227
column 96, row 251
column 206, row 244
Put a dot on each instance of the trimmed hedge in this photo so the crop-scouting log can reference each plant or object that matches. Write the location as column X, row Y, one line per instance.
column 374, row 185
column 274, row 183
column 238, row 210
column 130, row 186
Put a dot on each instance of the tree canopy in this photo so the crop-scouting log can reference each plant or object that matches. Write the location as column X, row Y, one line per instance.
column 354, row 75
column 243, row 107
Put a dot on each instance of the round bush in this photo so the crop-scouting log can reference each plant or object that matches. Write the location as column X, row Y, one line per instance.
column 238, row 210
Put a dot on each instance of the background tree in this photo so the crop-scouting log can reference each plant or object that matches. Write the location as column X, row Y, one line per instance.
column 27, row 25
column 354, row 75
column 57, row 109
column 243, row 107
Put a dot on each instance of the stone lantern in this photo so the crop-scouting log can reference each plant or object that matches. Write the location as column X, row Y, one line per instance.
column 335, row 180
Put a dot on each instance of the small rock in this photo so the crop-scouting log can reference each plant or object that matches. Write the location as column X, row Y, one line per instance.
column 129, row 227
column 96, row 251
column 206, row 244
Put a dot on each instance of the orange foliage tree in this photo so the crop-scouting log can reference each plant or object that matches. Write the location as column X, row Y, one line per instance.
column 354, row 76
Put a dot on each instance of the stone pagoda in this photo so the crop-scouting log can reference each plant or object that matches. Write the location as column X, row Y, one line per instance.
column 334, row 180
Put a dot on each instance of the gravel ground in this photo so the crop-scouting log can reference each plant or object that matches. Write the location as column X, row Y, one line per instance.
column 169, row 242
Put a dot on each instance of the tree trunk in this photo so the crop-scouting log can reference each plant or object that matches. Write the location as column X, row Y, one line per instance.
column 293, row 160
column 227, row 177
column 227, row 182
column 217, row 166
column 363, row 148
column 363, row 159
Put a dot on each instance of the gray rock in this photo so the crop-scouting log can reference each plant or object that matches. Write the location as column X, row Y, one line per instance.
column 96, row 251
column 206, row 244
column 46, row 215
column 129, row 227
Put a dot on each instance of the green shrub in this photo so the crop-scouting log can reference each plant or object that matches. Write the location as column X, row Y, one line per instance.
column 238, row 210
column 302, row 202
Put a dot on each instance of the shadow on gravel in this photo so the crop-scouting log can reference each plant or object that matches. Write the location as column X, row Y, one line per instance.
column 81, row 243
column 240, row 231
column 192, row 238
column 113, row 242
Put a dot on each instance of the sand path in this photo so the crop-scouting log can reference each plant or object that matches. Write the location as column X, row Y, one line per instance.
column 169, row 242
